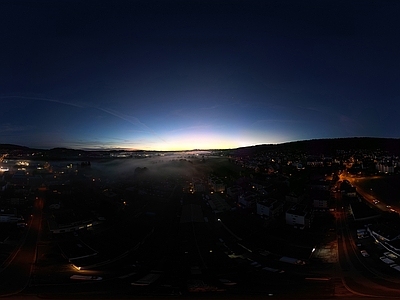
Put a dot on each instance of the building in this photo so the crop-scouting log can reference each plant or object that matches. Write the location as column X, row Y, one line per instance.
column 385, row 168
column 320, row 199
column 299, row 216
column 9, row 215
column 315, row 162
column 393, row 246
column 234, row 192
column 20, row 178
column 218, row 204
column 247, row 199
column 320, row 185
column 217, row 185
column 198, row 187
column 294, row 198
column 269, row 208
column 348, row 189
column 384, row 232
column 63, row 221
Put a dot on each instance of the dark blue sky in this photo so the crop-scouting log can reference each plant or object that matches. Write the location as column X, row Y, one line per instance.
column 173, row 75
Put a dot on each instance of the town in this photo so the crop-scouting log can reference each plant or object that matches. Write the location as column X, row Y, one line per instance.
column 320, row 216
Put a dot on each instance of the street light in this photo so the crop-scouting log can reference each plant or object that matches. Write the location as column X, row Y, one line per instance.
column 312, row 251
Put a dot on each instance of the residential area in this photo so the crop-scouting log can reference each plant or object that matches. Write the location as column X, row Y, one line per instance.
column 179, row 223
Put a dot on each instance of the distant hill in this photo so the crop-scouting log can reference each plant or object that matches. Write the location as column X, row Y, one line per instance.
column 13, row 147
column 357, row 143
column 330, row 146
column 315, row 146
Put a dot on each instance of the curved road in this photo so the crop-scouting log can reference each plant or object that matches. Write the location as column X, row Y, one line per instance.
column 357, row 276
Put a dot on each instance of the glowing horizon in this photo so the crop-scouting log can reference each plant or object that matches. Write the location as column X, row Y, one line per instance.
column 171, row 83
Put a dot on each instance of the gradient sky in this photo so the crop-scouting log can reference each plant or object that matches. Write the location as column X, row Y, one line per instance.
column 175, row 75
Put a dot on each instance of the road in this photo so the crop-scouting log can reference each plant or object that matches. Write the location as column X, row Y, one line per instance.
column 16, row 276
column 356, row 272
column 368, row 195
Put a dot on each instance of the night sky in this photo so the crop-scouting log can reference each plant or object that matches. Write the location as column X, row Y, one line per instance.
column 176, row 75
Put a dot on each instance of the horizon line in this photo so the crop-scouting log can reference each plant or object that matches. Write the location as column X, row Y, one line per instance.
column 195, row 149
